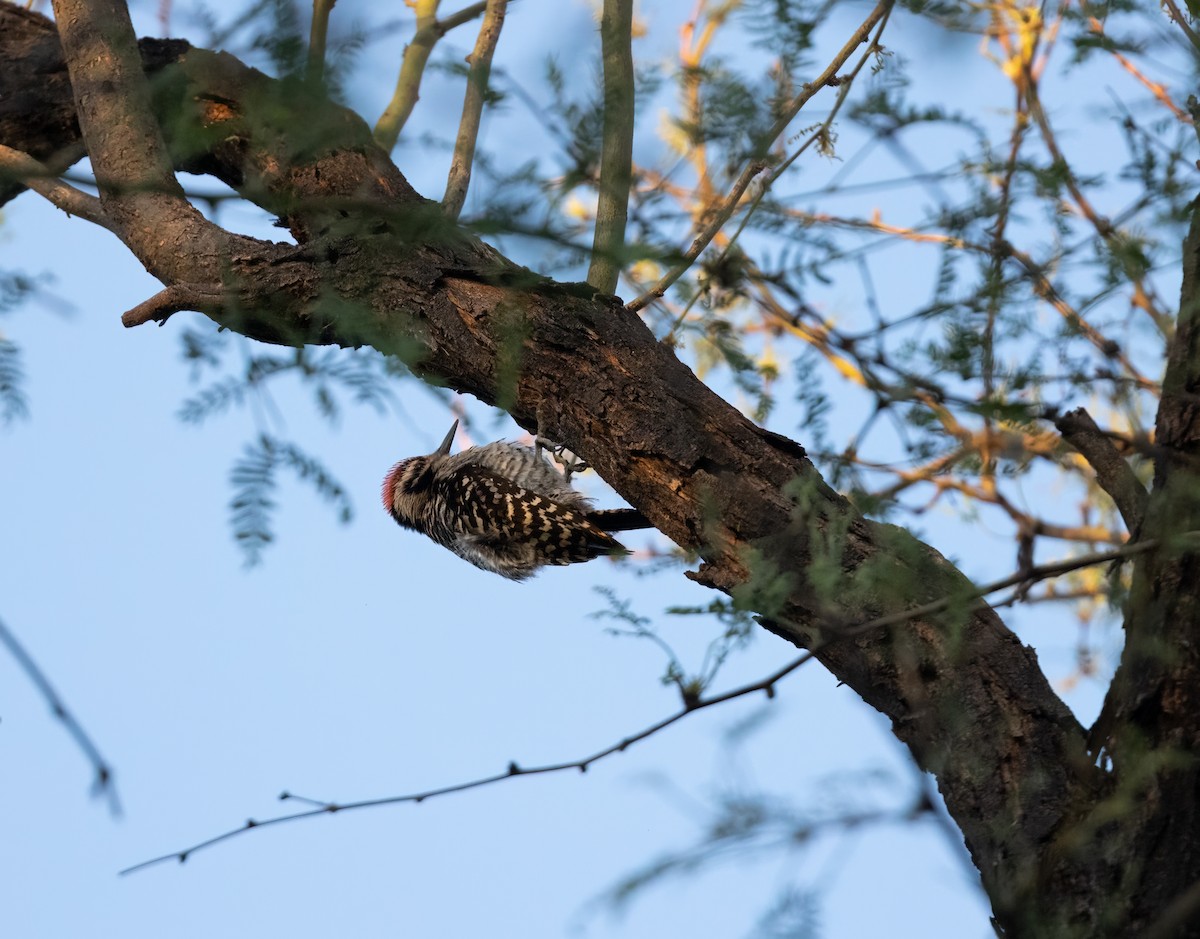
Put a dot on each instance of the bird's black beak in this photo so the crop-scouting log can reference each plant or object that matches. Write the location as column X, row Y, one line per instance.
column 444, row 449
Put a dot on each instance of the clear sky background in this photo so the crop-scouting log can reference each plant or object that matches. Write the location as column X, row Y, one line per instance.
column 360, row 661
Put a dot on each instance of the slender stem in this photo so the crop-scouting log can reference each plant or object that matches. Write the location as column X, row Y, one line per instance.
column 408, row 82
column 468, row 127
column 1181, row 21
column 844, row 86
column 616, row 153
column 1143, row 292
column 758, row 164
column 104, row 774
column 317, row 38
column 703, row 239
column 857, row 38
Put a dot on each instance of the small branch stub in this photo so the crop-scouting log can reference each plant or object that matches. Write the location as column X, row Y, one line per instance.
column 199, row 297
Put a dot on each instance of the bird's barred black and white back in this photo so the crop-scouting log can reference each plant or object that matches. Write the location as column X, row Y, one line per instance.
column 500, row 506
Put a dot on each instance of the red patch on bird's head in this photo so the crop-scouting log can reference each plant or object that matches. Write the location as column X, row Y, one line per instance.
column 389, row 486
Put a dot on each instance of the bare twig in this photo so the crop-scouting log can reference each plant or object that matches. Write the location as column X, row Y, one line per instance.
column 1114, row 475
column 1034, row 271
column 616, row 152
column 480, row 61
column 103, row 783
column 1144, row 295
column 758, row 164
column 972, row 600
column 845, row 83
column 28, row 171
column 706, row 235
column 857, row 38
column 416, row 55
column 1180, row 19
column 1161, row 95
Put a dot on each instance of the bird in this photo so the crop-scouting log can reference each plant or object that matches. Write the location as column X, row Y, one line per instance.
column 502, row 507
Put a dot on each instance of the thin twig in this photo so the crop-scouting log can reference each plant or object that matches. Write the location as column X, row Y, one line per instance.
column 857, row 38
column 758, row 163
column 845, row 83
column 480, row 61
column 715, row 224
column 1161, row 95
column 1144, row 296
column 973, row 600
column 1181, row 21
column 616, row 149
column 1035, row 272
column 103, row 783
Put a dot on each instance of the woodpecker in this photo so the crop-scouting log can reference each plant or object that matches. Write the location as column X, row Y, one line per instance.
column 500, row 506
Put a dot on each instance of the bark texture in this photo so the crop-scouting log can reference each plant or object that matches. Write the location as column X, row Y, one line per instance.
column 1064, row 847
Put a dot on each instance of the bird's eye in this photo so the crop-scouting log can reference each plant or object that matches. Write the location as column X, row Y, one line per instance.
column 417, row 479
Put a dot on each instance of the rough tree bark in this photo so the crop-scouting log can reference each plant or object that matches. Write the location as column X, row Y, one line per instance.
column 1065, row 847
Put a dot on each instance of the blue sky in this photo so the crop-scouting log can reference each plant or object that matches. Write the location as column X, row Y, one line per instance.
column 360, row 661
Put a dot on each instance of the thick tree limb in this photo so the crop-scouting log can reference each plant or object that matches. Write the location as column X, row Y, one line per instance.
column 112, row 101
column 1114, row 475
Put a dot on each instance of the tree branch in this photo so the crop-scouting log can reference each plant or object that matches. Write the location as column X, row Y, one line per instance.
column 1114, row 475
column 758, row 163
column 468, row 128
column 317, row 38
column 133, row 169
column 29, row 172
column 416, row 55
column 616, row 149
column 766, row 685
column 103, row 784
column 173, row 299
